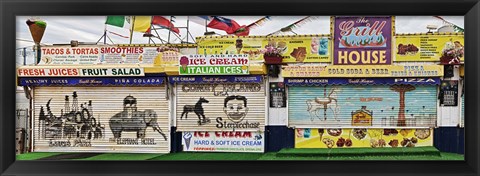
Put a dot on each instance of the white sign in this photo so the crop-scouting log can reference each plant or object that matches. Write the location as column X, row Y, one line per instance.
column 98, row 55
column 81, row 72
column 231, row 141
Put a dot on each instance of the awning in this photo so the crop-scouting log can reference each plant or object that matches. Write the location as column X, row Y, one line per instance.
column 215, row 79
column 91, row 81
column 360, row 81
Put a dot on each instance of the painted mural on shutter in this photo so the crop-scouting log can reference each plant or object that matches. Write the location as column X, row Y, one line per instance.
column 101, row 119
column 220, row 106
column 368, row 106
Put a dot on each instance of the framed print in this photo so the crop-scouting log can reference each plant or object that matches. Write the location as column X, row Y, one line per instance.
column 115, row 88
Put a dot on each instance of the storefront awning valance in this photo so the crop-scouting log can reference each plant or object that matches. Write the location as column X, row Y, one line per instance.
column 215, row 79
column 360, row 81
column 91, row 81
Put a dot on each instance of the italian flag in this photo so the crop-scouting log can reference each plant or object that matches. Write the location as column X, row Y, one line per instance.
column 140, row 23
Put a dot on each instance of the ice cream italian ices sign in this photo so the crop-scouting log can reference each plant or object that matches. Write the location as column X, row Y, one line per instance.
column 231, row 64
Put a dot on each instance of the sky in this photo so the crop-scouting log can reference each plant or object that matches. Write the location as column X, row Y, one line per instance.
column 63, row 29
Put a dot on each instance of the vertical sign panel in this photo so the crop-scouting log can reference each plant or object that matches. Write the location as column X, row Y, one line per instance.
column 362, row 40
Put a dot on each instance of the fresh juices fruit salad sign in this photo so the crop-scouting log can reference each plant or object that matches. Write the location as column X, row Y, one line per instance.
column 214, row 64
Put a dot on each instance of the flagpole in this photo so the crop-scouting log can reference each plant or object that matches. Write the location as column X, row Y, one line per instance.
column 188, row 30
column 131, row 30
column 105, row 35
column 169, row 31
column 151, row 26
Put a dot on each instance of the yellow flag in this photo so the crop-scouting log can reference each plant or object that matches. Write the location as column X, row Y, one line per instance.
column 142, row 23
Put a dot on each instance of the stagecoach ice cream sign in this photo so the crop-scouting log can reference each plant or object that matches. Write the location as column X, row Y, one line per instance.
column 214, row 64
column 362, row 40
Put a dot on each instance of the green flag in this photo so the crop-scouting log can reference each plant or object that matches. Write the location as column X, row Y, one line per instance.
column 119, row 21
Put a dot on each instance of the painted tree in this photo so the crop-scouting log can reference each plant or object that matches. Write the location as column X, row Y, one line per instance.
column 401, row 89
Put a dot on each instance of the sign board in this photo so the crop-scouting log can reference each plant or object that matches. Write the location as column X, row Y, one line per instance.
column 449, row 93
column 214, row 64
column 79, row 72
column 109, row 81
column 362, row 40
column 363, row 71
column 362, row 137
column 424, row 47
column 360, row 81
column 298, row 48
column 232, row 141
column 92, row 55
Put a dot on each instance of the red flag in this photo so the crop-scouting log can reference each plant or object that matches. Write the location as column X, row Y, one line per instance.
column 162, row 21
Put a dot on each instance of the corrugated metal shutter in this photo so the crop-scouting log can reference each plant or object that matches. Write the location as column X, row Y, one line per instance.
column 254, row 94
column 106, row 103
column 306, row 106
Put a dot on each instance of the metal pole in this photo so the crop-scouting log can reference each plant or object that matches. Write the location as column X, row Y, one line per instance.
column 24, row 56
column 169, row 30
column 188, row 31
column 131, row 30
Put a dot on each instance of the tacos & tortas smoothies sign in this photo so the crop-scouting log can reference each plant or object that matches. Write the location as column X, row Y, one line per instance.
column 362, row 40
column 214, row 64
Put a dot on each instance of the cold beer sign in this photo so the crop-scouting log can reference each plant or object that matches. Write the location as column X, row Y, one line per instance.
column 362, row 40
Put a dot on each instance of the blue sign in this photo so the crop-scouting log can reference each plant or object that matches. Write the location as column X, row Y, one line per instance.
column 360, row 81
column 110, row 81
column 215, row 79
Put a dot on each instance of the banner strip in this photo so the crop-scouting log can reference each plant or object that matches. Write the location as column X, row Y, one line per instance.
column 214, row 79
column 92, row 81
column 360, row 81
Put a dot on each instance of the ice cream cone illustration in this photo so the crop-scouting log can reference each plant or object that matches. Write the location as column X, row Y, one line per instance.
column 239, row 45
column 37, row 28
column 184, row 63
column 187, row 136
column 244, row 69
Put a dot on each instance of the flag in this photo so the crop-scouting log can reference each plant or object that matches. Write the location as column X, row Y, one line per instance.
column 142, row 23
column 224, row 24
column 201, row 20
column 119, row 21
column 164, row 22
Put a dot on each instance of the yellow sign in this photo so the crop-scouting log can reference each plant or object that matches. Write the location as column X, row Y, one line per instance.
column 462, row 70
column 232, row 45
column 428, row 47
column 302, row 48
column 362, row 137
column 362, row 117
column 364, row 71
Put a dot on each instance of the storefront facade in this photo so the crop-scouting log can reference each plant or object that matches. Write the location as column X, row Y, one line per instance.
column 100, row 98
column 99, row 114
column 367, row 112
column 219, row 104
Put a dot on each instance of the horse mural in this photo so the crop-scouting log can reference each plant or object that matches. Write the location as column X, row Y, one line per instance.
column 325, row 102
column 198, row 109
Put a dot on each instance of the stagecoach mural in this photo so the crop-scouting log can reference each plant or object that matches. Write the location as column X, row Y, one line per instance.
column 353, row 105
column 76, row 123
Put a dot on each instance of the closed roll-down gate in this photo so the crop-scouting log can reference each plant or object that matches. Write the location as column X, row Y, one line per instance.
column 225, row 106
column 101, row 119
column 347, row 106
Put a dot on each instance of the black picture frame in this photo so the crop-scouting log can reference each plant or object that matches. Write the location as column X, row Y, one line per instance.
column 10, row 9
